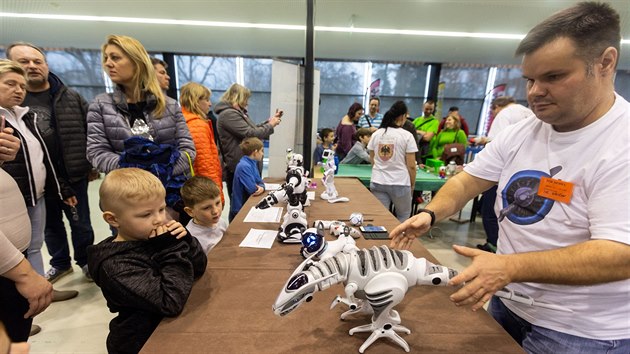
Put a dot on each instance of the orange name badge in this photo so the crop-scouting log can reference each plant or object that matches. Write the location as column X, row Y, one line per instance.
column 555, row 189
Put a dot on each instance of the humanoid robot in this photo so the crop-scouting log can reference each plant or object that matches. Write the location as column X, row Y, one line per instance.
column 328, row 169
column 294, row 192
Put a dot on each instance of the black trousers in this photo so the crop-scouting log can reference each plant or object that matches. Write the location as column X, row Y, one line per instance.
column 13, row 306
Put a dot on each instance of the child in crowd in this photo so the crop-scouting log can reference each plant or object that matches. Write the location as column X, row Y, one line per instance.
column 327, row 136
column 359, row 152
column 202, row 202
column 146, row 272
column 247, row 180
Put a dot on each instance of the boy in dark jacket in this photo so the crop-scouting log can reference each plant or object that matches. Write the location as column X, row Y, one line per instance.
column 146, row 272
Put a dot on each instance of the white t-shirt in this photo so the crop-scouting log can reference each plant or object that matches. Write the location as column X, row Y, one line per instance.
column 390, row 149
column 596, row 160
column 208, row 237
column 509, row 115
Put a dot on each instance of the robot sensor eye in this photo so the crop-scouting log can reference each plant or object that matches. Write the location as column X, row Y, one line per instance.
column 297, row 281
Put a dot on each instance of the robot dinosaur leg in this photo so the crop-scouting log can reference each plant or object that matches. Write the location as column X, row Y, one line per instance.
column 357, row 306
column 383, row 292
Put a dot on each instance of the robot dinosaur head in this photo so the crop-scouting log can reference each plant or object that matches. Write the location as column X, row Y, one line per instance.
column 298, row 289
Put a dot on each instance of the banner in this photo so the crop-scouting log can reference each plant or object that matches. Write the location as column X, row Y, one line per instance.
column 486, row 113
column 375, row 88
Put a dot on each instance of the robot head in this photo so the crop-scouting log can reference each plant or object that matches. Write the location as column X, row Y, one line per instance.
column 295, row 160
column 298, row 289
column 313, row 241
column 328, row 154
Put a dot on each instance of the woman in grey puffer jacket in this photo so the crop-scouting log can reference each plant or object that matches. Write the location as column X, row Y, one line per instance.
column 136, row 107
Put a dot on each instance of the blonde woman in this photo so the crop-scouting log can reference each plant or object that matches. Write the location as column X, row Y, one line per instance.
column 195, row 102
column 137, row 107
column 234, row 125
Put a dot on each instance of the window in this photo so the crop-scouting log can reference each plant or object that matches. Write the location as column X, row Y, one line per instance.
column 216, row 73
column 79, row 69
column 405, row 82
column 341, row 84
column 465, row 88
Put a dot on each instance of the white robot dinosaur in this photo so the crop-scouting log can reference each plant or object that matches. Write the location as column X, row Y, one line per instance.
column 328, row 179
column 375, row 280
column 294, row 192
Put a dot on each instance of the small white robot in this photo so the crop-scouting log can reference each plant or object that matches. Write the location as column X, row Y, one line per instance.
column 294, row 192
column 314, row 243
column 328, row 169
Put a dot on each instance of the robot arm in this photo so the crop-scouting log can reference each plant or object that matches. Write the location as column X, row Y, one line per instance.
column 272, row 198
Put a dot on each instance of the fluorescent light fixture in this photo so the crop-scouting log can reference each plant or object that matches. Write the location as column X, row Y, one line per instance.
column 162, row 21
column 420, row 33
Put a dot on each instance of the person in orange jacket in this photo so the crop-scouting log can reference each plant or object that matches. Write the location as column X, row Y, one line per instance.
column 195, row 101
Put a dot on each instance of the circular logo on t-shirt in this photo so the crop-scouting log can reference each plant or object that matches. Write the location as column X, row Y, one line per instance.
column 521, row 203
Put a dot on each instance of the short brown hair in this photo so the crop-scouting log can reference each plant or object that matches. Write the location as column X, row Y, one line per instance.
column 198, row 189
column 363, row 132
column 155, row 61
column 251, row 144
column 591, row 26
column 23, row 44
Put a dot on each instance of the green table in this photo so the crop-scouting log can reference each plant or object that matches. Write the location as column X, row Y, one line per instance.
column 424, row 181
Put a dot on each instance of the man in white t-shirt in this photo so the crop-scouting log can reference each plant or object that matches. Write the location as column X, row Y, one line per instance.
column 564, row 206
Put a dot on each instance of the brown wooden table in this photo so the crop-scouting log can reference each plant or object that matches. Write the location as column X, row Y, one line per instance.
column 229, row 309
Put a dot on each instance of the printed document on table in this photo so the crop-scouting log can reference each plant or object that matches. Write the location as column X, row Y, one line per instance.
column 272, row 214
column 310, row 195
column 272, row 186
column 259, row 238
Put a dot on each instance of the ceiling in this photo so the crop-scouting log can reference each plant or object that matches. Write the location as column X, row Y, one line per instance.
column 489, row 16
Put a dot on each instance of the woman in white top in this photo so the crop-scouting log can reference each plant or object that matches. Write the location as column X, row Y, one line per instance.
column 392, row 151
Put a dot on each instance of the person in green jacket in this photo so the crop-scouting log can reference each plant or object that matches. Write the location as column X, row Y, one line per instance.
column 451, row 133
column 427, row 128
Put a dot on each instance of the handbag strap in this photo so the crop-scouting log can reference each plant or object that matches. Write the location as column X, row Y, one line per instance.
column 190, row 164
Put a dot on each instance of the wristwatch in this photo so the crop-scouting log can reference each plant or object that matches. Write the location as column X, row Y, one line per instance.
column 430, row 212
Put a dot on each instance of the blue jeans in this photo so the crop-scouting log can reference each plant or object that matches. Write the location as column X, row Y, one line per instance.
column 489, row 218
column 81, row 229
column 539, row 340
column 37, row 214
column 400, row 196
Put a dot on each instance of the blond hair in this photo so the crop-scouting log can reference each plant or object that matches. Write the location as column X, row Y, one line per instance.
column 144, row 77
column 237, row 94
column 10, row 66
column 198, row 189
column 127, row 185
column 190, row 95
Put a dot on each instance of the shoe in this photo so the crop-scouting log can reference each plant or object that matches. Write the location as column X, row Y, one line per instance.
column 488, row 247
column 63, row 295
column 34, row 330
column 86, row 273
column 55, row 274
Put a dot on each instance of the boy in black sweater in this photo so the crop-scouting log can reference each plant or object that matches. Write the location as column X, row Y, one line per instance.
column 146, row 272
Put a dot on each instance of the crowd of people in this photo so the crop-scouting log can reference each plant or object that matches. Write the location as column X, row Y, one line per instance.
column 163, row 196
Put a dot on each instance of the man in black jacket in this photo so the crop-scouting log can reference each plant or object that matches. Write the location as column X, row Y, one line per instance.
column 62, row 122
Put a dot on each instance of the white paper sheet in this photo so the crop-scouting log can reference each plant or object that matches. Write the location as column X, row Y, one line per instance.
column 310, row 195
column 272, row 214
column 271, row 186
column 259, row 238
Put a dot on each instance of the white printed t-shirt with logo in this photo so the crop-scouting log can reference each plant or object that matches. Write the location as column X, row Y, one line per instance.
column 596, row 161
column 390, row 149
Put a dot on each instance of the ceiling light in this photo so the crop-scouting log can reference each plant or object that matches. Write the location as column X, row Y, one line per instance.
column 352, row 29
